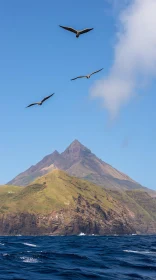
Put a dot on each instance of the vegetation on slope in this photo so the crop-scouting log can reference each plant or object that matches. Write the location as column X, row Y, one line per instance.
column 53, row 191
column 57, row 203
column 145, row 201
column 135, row 208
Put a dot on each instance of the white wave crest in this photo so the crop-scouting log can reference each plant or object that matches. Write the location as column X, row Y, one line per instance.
column 139, row 252
column 29, row 244
column 29, row 260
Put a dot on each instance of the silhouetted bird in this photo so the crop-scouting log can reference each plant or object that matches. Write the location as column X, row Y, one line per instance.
column 87, row 76
column 77, row 32
column 40, row 103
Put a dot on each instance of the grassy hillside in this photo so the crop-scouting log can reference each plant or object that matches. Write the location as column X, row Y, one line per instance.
column 60, row 204
column 6, row 196
column 53, row 191
column 144, row 200
column 135, row 208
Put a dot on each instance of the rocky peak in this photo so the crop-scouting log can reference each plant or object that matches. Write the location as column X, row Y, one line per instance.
column 79, row 161
column 75, row 151
column 55, row 153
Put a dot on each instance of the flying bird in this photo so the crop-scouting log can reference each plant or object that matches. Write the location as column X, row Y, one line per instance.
column 41, row 102
column 77, row 32
column 87, row 76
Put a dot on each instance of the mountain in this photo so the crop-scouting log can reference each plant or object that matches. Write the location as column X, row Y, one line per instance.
column 58, row 204
column 41, row 168
column 79, row 161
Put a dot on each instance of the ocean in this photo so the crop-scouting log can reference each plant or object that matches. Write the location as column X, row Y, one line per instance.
column 78, row 257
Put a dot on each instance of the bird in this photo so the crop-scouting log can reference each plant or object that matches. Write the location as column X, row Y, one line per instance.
column 87, row 76
column 41, row 102
column 77, row 32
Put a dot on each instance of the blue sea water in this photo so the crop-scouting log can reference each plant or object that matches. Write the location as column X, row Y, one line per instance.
column 78, row 257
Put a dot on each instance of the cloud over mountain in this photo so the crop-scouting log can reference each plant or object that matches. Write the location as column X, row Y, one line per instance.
column 134, row 56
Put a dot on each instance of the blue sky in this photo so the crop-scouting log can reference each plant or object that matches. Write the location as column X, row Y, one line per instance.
column 38, row 58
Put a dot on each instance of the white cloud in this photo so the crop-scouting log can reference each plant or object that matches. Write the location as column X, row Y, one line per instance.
column 134, row 58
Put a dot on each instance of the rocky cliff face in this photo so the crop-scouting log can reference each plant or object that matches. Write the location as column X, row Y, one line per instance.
column 79, row 161
column 86, row 218
column 56, row 224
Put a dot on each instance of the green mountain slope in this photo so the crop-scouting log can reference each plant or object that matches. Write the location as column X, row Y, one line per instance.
column 55, row 191
column 57, row 203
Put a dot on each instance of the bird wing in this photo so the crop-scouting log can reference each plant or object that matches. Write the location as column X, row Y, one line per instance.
column 78, row 78
column 32, row 104
column 96, row 71
column 69, row 29
column 85, row 30
column 47, row 97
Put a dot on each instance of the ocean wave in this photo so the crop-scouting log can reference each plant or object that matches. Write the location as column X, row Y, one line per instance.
column 29, row 244
column 5, row 254
column 71, row 257
column 2, row 244
column 139, row 252
column 29, row 260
